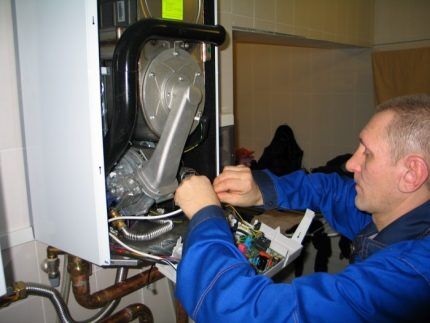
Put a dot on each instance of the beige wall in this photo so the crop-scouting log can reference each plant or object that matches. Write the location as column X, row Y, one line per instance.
column 402, row 24
column 333, row 97
column 342, row 21
column 325, row 95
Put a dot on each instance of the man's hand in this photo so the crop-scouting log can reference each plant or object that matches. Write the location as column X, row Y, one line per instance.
column 236, row 186
column 194, row 193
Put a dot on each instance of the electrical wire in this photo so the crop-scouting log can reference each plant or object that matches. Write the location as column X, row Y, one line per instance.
column 127, row 247
column 244, row 225
column 237, row 214
column 146, row 217
column 141, row 253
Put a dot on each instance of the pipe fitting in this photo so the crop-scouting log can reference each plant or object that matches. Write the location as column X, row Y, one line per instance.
column 20, row 288
column 119, row 224
column 78, row 267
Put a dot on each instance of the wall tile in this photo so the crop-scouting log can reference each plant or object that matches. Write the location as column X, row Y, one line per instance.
column 304, row 92
column 317, row 13
column 21, row 263
column 225, row 6
column 264, row 25
column 285, row 12
column 302, row 13
column 301, row 81
column 225, row 21
column 27, row 310
column 163, row 311
column 242, row 21
column 285, row 29
column 243, row 8
column 265, row 9
column 398, row 21
column 262, row 67
column 280, row 71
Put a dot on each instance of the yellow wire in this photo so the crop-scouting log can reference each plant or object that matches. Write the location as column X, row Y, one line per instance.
column 254, row 232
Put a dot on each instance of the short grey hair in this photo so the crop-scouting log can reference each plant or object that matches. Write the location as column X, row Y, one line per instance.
column 409, row 131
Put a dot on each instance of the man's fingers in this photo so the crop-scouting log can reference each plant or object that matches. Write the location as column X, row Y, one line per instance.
column 229, row 185
column 238, row 168
column 227, row 198
column 231, row 174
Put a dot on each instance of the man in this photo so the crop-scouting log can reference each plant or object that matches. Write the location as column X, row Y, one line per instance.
column 385, row 210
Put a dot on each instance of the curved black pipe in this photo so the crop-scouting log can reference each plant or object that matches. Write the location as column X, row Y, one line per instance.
column 125, row 74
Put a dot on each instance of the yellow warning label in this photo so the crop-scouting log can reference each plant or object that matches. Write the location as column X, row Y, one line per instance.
column 172, row 9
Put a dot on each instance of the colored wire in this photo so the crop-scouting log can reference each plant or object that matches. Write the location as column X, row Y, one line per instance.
column 143, row 254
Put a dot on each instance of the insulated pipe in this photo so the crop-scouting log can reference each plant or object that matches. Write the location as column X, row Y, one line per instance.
column 79, row 270
column 126, row 74
column 130, row 313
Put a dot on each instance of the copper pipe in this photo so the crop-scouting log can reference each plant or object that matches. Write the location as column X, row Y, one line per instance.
column 80, row 272
column 181, row 315
column 130, row 313
column 52, row 252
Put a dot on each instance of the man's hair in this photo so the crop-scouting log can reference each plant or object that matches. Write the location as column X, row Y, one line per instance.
column 409, row 131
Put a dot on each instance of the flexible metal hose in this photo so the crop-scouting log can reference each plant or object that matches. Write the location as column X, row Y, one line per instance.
column 60, row 306
column 54, row 296
column 167, row 225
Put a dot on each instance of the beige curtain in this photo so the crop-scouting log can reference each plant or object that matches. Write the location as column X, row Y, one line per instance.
column 401, row 72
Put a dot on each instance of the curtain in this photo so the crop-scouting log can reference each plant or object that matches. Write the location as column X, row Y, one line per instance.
column 401, row 72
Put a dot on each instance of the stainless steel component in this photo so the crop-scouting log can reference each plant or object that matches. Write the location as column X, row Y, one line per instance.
column 129, row 234
column 164, row 74
column 173, row 102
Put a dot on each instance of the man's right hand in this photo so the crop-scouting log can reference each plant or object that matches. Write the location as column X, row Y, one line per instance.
column 236, row 186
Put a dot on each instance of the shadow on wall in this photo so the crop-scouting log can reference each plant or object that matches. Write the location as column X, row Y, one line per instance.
column 6, row 255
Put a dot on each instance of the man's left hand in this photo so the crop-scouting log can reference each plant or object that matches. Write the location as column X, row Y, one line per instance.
column 194, row 193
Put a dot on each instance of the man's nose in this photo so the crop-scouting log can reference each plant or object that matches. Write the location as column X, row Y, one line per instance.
column 353, row 164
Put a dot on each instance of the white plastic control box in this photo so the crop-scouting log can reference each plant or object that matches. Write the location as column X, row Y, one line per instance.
column 288, row 248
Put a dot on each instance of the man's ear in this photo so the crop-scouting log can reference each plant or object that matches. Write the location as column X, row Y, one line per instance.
column 416, row 173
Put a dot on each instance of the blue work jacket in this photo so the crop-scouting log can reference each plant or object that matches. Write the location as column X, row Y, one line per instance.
column 389, row 282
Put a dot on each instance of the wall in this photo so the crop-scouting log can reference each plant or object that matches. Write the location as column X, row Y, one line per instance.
column 342, row 21
column 324, row 95
column 401, row 24
column 22, row 256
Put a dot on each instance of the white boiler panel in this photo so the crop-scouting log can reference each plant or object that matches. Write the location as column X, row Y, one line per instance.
column 59, row 79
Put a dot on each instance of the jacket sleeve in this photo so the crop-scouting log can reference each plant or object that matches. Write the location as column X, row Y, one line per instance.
column 215, row 283
column 329, row 194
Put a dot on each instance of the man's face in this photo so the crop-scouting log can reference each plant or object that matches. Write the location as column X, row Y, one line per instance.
column 375, row 174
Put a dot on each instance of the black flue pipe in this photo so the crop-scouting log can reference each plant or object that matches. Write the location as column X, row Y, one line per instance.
column 125, row 74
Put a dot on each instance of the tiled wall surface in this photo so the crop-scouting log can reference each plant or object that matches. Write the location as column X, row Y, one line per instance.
column 342, row 21
column 402, row 21
column 325, row 95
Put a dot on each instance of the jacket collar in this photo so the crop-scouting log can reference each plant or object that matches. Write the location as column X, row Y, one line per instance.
column 411, row 226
